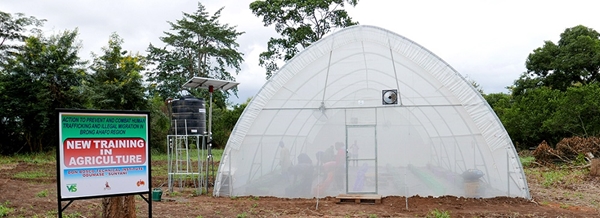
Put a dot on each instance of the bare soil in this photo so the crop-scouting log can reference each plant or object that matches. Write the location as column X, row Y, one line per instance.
column 36, row 197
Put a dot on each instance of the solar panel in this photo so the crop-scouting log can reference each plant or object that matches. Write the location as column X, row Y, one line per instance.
column 205, row 83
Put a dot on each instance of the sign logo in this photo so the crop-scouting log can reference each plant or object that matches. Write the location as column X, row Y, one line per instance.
column 140, row 183
column 72, row 187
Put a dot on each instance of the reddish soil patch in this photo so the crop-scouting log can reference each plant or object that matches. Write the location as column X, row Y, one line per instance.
column 26, row 197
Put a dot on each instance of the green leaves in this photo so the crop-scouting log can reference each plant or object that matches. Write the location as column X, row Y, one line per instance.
column 300, row 23
column 549, row 114
column 116, row 82
column 575, row 59
column 13, row 28
column 224, row 120
column 578, row 111
column 43, row 75
column 197, row 46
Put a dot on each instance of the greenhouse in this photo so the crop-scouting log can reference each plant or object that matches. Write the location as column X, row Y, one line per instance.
column 367, row 111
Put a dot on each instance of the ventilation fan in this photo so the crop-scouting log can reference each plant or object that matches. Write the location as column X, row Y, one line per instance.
column 389, row 96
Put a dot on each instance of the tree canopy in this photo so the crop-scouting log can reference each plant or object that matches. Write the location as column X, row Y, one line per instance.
column 575, row 59
column 300, row 23
column 116, row 81
column 199, row 45
column 43, row 75
column 13, row 28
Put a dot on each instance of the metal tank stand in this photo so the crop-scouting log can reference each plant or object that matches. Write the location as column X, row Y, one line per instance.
column 185, row 165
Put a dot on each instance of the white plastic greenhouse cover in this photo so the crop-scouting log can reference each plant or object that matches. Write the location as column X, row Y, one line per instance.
column 329, row 123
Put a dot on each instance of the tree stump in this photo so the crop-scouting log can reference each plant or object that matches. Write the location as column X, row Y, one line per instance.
column 119, row 207
column 595, row 168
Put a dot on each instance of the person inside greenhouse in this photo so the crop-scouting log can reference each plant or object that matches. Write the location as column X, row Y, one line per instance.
column 302, row 177
column 354, row 153
column 284, row 159
column 340, row 165
column 333, row 171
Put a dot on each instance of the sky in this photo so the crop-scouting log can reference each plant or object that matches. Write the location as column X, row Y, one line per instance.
column 486, row 41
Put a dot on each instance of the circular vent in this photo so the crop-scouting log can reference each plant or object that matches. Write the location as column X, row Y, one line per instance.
column 390, row 96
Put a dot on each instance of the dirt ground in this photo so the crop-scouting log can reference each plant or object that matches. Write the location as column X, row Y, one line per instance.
column 36, row 197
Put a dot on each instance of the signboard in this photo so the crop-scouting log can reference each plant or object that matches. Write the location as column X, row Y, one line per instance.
column 103, row 153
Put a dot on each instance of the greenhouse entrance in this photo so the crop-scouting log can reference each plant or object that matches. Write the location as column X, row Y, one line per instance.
column 361, row 159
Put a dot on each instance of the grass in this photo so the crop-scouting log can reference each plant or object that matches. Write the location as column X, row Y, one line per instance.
column 552, row 178
column 561, row 176
column 31, row 175
column 5, row 209
column 548, row 177
column 526, row 161
column 34, row 158
column 438, row 214
column 72, row 215
column 595, row 203
column 193, row 153
column 42, row 194
column 6, row 159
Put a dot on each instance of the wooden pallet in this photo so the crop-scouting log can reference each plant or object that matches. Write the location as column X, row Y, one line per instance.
column 358, row 198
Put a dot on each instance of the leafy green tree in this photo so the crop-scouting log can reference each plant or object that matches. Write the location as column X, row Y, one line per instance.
column 224, row 120
column 300, row 23
column 574, row 60
column 160, row 124
column 43, row 75
column 526, row 118
column 116, row 81
column 499, row 102
column 577, row 111
column 197, row 46
column 526, row 82
column 13, row 29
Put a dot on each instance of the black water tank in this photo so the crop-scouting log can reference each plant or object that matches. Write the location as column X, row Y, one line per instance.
column 189, row 116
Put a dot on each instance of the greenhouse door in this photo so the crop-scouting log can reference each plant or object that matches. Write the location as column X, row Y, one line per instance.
column 361, row 159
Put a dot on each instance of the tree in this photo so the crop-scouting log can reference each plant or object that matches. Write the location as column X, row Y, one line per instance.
column 526, row 118
column 116, row 83
column 524, row 83
column 13, row 28
column 43, row 75
column 160, row 123
column 549, row 114
column 574, row 60
column 224, row 120
column 499, row 102
column 198, row 46
column 300, row 23
column 577, row 111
